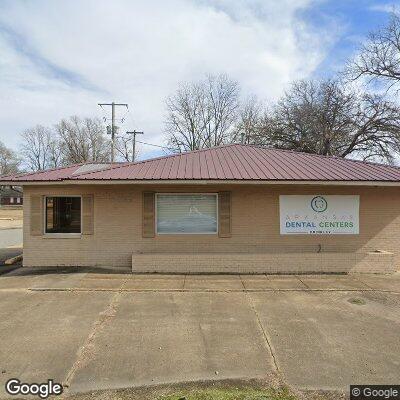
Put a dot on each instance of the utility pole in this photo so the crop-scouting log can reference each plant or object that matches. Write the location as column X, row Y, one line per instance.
column 134, row 133
column 113, row 105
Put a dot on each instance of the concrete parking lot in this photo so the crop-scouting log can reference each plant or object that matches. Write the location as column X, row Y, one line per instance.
column 93, row 330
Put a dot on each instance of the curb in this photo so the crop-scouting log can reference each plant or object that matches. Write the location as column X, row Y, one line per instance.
column 13, row 260
column 75, row 289
column 5, row 269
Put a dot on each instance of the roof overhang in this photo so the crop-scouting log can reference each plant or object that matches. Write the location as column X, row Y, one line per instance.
column 200, row 182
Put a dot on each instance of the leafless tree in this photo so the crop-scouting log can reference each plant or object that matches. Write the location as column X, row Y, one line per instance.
column 184, row 124
column 202, row 114
column 379, row 58
column 124, row 149
column 71, row 141
column 219, row 109
column 323, row 117
column 248, row 121
column 55, row 153
column 40, row 149
column 9, row 161
column 83, row 140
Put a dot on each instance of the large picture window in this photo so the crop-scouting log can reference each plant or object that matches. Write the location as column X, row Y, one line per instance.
column 63, row 214
column 186, row 213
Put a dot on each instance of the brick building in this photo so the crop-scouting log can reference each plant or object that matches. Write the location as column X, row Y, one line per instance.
column 235, row 208
column 11, row 196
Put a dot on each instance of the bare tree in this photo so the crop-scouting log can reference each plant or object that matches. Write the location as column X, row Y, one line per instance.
column 379, row 58
column 71, row 141
column 82, row 140
column 248, row 121
column 55, row 153
column 9, row 161
column 220, row 107
column 40, row 149
column 124, row 149
column 184, row 126
column 202, row 114
column 325, row 118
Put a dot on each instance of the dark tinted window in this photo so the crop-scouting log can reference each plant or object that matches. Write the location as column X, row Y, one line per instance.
column 63, row 214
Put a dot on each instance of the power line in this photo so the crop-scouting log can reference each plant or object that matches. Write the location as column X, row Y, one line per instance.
column 134, row 132
column 113, row 105
column 130, row 116
column 155, row 145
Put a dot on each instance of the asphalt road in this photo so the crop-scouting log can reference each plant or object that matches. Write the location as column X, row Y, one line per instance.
column 10, row 237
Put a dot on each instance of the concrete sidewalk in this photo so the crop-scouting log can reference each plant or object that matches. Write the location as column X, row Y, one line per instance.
column 98, row 331
column 80, row 279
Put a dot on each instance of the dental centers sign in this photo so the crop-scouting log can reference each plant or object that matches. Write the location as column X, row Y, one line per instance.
column 319, row 214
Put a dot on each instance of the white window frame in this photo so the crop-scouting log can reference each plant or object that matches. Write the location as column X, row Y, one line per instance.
column 184, row 194
column 60, row 234
column 11, row 200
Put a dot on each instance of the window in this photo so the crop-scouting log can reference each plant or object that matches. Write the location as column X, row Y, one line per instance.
column 18, row 200
column 186, row 213
column 11, row 199
column 63, row 215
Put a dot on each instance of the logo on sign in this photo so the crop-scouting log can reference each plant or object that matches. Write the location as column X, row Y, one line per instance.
column 319, row 204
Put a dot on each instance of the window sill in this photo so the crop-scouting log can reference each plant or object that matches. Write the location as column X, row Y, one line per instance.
column 186, row 233
column 62, row 236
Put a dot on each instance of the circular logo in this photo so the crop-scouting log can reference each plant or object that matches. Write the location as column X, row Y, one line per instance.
column 319, row 204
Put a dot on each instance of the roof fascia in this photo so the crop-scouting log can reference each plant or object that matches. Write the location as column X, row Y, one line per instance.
column 200, row 182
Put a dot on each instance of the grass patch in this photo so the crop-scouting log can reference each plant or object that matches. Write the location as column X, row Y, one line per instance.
column 252, row 389
column 208, row 391
column 357, row 301
column 230, row 394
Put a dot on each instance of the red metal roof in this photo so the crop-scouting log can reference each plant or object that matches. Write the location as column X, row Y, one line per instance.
column 57, row 174
column 46, row 175
column 230, row 162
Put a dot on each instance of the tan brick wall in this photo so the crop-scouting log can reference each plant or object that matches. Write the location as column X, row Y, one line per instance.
column 255, row 245
column 258, row 263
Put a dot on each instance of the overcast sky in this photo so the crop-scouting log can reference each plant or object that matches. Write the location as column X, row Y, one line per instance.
column 60, row 58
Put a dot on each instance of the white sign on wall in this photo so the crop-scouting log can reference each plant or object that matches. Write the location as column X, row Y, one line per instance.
column 319, row 214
